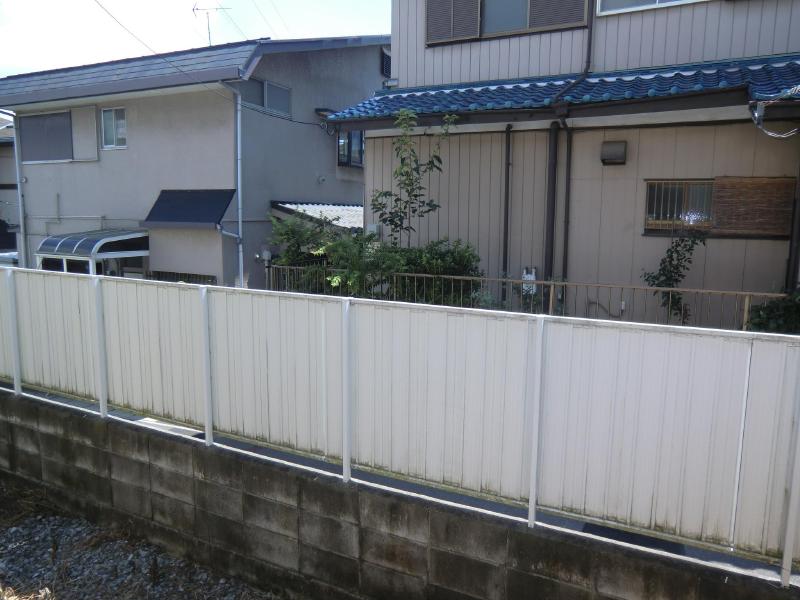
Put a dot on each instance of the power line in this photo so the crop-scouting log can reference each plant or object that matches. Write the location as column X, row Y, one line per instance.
column 204, row 84
column 234, row 23
column 280, row 16
column 263, row 18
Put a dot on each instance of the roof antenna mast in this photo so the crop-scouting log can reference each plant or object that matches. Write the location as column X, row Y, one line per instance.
column 196, row 10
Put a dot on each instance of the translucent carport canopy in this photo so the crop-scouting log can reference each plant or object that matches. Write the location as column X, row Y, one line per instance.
column 104, row 243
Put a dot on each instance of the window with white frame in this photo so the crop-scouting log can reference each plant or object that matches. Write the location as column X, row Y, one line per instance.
column 613, row 6
column 350, row 149
column 115, row 128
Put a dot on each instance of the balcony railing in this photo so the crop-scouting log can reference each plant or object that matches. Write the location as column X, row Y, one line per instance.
column 641, row 304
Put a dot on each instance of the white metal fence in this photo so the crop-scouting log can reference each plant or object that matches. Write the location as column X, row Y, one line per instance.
column 690, row 433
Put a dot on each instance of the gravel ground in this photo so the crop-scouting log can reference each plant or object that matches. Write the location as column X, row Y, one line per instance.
column 46, row 555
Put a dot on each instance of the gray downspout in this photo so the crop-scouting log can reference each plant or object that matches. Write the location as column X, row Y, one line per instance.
column 793, row 265
column 506, row 209
column 239, row 203
column 550, row 215
column 567, row 195
column 23, row 229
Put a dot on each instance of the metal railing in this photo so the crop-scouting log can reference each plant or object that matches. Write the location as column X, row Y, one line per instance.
column 640, row 304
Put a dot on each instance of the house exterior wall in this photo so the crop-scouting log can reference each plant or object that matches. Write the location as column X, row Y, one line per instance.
column 8, row 176
column 606, row 241
column 701, row 31
column 174, row 141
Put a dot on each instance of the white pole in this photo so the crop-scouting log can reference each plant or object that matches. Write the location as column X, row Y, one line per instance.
column 206, row 366
column 740, row 449
column 239, row 186
column 536, row 419
column 102, row 356
column 23, row 228
column 346, row 391
column 13, row 326
column 794, row 498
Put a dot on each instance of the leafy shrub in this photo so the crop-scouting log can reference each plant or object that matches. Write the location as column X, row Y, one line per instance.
column 671, row 272
column 301, row 240
column 778, row 316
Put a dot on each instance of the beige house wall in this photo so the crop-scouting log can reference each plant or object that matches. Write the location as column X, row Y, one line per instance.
column 694, row 32
column 179, row 140
column 606, row 241
column 8, row 176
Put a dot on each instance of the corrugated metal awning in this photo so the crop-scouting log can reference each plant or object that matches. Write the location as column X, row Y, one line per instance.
column 347, row 216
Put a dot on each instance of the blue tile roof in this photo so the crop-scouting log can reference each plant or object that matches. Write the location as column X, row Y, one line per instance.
column 764, row 78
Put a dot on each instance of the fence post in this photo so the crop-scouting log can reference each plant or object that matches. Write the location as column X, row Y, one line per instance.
column 552, row 307
column 13, row 325
column 206, row 366
column 792, row 519
column 102, row 356
column 536, row 418
column 746, row 317
column 346, row 392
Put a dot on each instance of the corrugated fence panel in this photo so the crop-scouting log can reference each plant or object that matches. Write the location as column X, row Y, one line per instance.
column 641, row 426
column 6, row 360
column 56, row 320
column 277, row 370
column 154, row 345
column 439, row 394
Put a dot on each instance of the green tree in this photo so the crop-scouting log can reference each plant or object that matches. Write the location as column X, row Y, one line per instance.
column 672, row 270
column 397, row 210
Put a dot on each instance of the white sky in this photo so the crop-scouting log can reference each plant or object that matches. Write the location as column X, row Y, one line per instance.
column 47, row 34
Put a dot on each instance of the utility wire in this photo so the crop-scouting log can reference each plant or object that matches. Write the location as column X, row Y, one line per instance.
column 255, row 109
column 280, row 16
column 263, row 18
column 234, row 23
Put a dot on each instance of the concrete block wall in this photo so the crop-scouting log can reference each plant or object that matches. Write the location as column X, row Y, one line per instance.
column 279, row 527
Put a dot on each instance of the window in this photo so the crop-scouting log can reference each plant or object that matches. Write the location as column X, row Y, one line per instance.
column 46, row 137
column 758, row 207
column 350, row 148
column 279, row 99
column 613, row 6
column 115, row 129
column 252, row 91
column 455, row 20
column 386, row 63
column 678, row 205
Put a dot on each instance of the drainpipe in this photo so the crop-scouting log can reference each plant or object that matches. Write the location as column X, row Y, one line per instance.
column 793, row 265
column 240, row 239
column 23, row 229
column 587, row 65
column 506, row 200
column 550, row 218
column 567, row 196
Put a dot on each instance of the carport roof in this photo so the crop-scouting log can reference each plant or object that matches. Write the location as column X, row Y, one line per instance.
column 91, row 244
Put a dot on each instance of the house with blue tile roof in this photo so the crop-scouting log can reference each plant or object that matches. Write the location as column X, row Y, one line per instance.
column 591, row 133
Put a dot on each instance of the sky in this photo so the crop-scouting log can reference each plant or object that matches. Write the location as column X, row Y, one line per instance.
column 37, row 35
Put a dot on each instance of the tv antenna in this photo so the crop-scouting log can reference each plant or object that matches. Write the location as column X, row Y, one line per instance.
column 196, row 9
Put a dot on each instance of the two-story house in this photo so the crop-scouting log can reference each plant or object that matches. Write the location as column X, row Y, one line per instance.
column 167, row 165
column 591, row 132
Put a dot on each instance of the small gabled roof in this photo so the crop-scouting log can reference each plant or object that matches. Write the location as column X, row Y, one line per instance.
column 224, row 62
column 758, row 77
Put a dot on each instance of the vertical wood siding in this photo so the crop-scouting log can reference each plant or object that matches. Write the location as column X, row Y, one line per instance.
column 702, row 31
column 641, row 425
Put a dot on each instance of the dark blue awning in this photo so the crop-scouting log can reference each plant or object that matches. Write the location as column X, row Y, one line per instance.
column 762, row 77
column 96, row 244
column 189, row 209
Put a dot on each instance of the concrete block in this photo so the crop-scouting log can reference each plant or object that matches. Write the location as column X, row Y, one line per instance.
column 218, row 499
column 434, row 592
column 217, row 466
column 131, row 499
column 73, row 454
column 394, row 553
column 552, row 557
column 130, row 471
column 626, row 575
column 54, row 420
column 171, row 453
column 27, row 464
column 88, row 429
column 269, row 515
column 273, row 548
column 5, row 455
column 93, row 488
column 265, row 480
column 25, row 438
column 129, row 441
column 221, row 532
column 328, row 567
column 19, row 411
column 469, row 535
column 713, row 585
column 377, row 582
column 330, row 498
column 171, row 484
column 466, row 575
column 173, row 513
column 525, row 585
column 395, row 515
column 329, row 534
column 5, row 431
